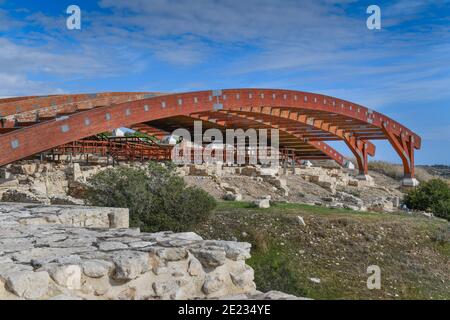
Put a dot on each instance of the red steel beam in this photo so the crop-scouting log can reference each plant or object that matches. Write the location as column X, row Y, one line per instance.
column 322, row 146
column 45, row 135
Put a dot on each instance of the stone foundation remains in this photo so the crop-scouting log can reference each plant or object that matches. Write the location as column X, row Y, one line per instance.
column 73, row 252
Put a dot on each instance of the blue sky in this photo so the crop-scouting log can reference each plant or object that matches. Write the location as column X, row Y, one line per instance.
column 322, row 46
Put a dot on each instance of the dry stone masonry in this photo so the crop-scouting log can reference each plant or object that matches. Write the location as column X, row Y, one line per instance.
column 73, row 252
column 65, row 184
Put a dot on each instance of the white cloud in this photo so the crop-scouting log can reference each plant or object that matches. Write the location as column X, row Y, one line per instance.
column 20, row 85
column 290, row 42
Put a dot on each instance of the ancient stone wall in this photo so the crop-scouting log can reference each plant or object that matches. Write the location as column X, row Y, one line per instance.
column 65, row 184
column 72, row 252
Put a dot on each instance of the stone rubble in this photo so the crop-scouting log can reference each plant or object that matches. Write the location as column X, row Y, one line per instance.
column 64, row 184
column 73, row 252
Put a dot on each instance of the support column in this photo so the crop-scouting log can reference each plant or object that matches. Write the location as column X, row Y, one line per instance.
column 404, row 146
column 361, row 151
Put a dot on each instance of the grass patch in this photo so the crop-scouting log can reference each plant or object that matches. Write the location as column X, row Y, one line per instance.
column 395, row 171
column 337, row 246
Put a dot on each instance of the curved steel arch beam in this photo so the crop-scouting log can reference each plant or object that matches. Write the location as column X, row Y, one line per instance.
column 27, row 141
column 360, row 149
column 314, row 102
column 34, row 112
column 43, row 136
column 230, row 99
column 15, row 106
column 322, row 146
column 14, row 99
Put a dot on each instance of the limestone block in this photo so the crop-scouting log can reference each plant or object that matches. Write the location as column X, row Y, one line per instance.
column 213, row 283
column 170, row 254
column 9, row 183
column 195, row 268
column 111, row 246
column 328, row 185
column 119, row 218
column 68, row 276
column 210, row 257
column 38, row 187
column 164, row 288
column 97, row 268
column 53, row 260
column 29, row 168
column 28, row 284
column 243, row 279
column 262, row 203
column 235, row 251
column 130, row 264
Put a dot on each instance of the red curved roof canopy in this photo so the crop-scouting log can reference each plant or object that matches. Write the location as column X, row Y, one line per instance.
column 305, row 120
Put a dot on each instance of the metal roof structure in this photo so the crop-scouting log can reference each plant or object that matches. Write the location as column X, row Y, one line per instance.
column 306, row 121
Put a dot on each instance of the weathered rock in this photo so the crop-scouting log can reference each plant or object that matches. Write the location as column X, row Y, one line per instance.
column 111, row 246
column 213, row 283
column 382, row 205
column 233, row 250
column 244, row 278
column 210, row 256
column 130, row 264
column 315, row 280
column 301, row 221
column 68, row 276
column 170, row 254
column 229, row 196
column 262, row 203
column 195, row 268
column 97, row 268
column 61, row 259
column 65, row 200
column 28, row 284
column 9, row 183
column 164, row 288
column 23, row 197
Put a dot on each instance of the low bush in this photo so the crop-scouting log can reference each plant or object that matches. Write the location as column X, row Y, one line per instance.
column 158, row 199
column 274, row 271
column 433, row 196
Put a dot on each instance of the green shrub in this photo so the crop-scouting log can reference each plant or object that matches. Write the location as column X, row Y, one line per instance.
column 433, row 196
column 274, row 271
column 158, row 199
